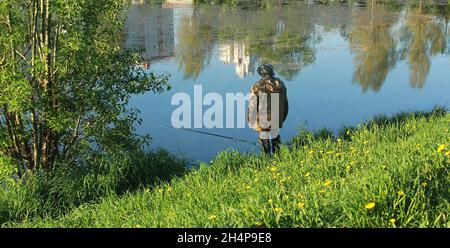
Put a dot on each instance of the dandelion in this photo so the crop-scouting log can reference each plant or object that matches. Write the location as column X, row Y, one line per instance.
column 300, row 205
column 401, row 193
column 370, row 205
column 441, row 148
column 311, row 152
column 307, row 174
column 212, row 217
column 160, row 191
column 273, row 169
column 327, row 183
column 447, row 154
column 278, row 210
column 170, row 189
column 392, row 221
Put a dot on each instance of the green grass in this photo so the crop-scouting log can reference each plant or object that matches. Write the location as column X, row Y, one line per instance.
column 390, row 172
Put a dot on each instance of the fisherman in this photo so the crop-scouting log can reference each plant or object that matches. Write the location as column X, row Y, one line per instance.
column 268, row 108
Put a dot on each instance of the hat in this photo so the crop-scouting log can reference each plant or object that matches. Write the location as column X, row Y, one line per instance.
column 265, row 70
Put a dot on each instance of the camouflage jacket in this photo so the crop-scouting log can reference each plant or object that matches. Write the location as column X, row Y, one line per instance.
column 267, row 85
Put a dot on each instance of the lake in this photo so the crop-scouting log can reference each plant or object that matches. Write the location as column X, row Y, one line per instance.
column 341, row 63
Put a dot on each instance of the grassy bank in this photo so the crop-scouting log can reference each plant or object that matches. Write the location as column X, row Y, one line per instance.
column 391, row 172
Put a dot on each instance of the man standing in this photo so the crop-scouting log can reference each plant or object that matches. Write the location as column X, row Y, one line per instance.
column 268, row 108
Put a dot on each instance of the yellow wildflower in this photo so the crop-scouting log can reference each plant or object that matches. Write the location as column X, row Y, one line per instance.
column 441, row 148
column 212, row 217
column 170, row 189
column 401, row 193
column 311, row 152
column 300, row 205
column 327, row 183
column 392, row 221
column 270, row 201
column 273, row 169
column 370, row 205
column 424, row 184
column 307, row 174
column 447, row 154
column 278, row 210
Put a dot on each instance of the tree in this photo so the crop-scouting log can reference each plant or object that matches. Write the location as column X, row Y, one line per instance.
column 65, row 81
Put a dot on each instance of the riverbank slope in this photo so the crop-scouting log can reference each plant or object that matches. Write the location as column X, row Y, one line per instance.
column 390, row 172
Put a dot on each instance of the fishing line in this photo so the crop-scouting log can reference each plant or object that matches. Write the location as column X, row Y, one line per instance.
column 213, row 134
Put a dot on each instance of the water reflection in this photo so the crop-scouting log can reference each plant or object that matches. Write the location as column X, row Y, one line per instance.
column 236, row 52
column 151, row 30
column 379, row 37
column 415, row 34
column 374, row 47
column 342, row 63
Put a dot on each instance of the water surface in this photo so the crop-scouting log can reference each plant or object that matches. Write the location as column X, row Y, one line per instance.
column 342, row 64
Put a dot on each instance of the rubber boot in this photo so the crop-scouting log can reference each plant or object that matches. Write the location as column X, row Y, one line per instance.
column 276, row 144
column 265, row 144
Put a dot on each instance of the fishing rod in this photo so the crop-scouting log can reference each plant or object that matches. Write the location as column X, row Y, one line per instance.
column 213, row 134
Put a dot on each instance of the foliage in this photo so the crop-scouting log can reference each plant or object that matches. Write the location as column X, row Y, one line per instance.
column 65, row 83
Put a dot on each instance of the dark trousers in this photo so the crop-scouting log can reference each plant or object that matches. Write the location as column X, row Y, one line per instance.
column 270, row 145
